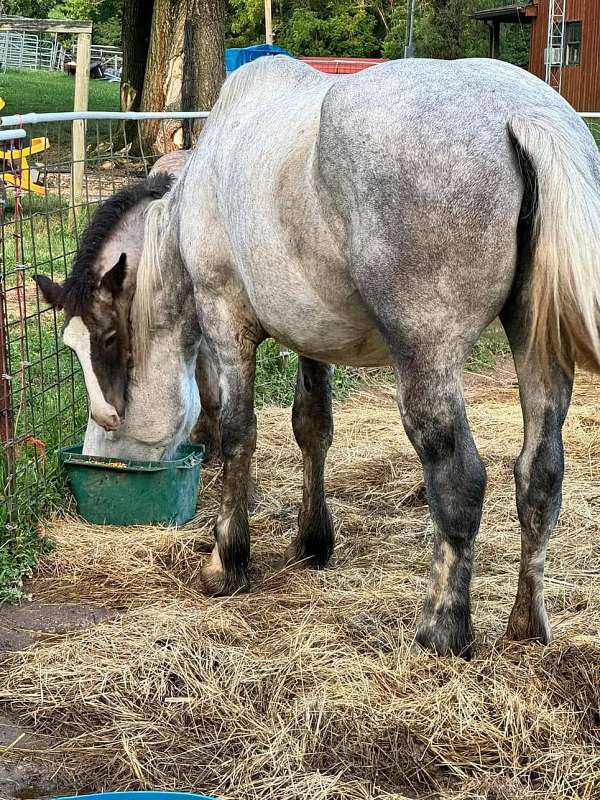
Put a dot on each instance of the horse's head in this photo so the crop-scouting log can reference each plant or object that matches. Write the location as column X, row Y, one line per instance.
column 97, row 295
column 96, row 329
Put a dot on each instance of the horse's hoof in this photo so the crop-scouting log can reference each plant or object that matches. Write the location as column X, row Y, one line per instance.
column 219, row 583
column 449, row 634
column 296, row 556
column 529, row 625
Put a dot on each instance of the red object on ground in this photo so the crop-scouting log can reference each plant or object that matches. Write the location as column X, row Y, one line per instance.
column 341, row 66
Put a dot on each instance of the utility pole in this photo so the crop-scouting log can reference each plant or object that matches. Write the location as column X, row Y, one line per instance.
column 409, row 50
column 268, row 23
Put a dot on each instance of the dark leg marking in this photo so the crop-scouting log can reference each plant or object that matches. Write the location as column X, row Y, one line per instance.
column 433, row 413
column 207, row 430
column 312, row 422
column 227, row 570
column 539, row 473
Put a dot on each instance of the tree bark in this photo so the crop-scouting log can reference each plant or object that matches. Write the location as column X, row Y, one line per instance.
column 185, row 68
column 203, row 58
column 135, row 34
column 153, row 96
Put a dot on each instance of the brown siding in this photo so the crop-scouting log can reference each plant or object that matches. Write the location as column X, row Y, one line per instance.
column 580, row 85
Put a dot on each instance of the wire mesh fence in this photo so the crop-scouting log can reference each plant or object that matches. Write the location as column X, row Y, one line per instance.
column 42, row 215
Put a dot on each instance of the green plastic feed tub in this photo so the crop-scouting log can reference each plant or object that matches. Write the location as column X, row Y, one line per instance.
column 112, row 492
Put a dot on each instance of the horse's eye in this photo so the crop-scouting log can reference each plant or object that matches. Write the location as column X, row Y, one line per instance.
column 110, row 339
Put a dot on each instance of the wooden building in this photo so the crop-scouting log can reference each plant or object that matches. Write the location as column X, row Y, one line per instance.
column 574, row 65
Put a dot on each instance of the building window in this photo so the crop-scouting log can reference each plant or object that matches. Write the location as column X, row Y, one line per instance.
column 573, row 44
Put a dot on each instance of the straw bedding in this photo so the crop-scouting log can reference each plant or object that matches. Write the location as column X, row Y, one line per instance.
column 311, row 685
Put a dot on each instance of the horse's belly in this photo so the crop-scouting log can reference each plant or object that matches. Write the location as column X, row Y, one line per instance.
column 337, row 333
column 367, row 350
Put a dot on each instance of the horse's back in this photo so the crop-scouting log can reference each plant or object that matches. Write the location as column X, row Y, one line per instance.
column 268, row 77
column 403, row 178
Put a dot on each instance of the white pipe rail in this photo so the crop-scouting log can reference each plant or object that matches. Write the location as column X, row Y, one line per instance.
column 71, row 116
column 7, row 136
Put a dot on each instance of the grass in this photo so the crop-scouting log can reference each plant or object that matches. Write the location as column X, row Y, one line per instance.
column 492, row 345
column 25, row 91
column 276, row 377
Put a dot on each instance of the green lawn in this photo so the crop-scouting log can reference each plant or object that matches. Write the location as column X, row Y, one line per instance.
column 26, row 91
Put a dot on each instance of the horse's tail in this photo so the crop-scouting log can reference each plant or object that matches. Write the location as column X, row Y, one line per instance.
column 565, row 277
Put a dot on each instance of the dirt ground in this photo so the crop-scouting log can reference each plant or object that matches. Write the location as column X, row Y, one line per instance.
column 119, row 675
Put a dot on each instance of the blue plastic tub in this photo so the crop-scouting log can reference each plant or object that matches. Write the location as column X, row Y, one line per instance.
column 140, row 796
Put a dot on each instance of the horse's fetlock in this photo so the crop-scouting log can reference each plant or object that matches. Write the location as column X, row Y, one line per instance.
column 446, row 629
column 314, row 543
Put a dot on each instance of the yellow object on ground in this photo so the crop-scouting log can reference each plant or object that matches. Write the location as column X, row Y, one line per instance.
column 21, row 175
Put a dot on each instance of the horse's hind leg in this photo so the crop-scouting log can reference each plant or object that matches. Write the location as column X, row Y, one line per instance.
column 313, row 428
column 433, row 412
column 538, row 472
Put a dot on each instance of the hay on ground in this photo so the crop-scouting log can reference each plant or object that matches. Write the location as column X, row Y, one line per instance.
column 311, row 685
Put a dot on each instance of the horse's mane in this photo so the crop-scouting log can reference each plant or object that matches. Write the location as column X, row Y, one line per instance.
column 147, row 275
column 82, row 281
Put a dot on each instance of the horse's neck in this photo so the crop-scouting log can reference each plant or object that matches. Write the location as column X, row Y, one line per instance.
column 164, row 311
column 127, row 237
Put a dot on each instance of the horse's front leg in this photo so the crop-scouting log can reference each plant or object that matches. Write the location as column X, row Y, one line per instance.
column 207, row 430
column 313, row 428
column 227, row 570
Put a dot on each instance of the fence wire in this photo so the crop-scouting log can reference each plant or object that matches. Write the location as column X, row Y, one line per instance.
column 43, row 403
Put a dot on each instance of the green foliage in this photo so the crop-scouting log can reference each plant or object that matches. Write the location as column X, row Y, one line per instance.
column 20, row 548
column 245, row 22
column 276, row 377
column 514, row 44
column 491, row 346
column 444, row 30
column 341, row 28
column 104, row 14
column 395, row 36
column 374, row 28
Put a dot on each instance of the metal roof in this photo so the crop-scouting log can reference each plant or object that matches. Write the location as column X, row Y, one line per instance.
column 516, row 12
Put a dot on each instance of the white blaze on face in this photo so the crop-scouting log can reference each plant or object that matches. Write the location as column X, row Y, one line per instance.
column 77, row 337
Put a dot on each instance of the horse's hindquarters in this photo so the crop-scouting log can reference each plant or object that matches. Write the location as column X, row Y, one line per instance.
column 431, row 194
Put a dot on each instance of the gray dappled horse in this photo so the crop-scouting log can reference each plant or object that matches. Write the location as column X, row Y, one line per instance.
column 384, row 217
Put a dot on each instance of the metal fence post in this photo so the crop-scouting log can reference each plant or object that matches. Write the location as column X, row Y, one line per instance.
column 7, row 459
column 82, row 80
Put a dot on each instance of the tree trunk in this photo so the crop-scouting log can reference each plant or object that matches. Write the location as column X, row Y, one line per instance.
column 135, row 33
column 153, row 97
column 203, row 57
column 185, row 67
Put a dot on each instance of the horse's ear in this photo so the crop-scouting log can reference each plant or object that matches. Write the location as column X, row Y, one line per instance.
column 51, row 291
column 114, row 278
